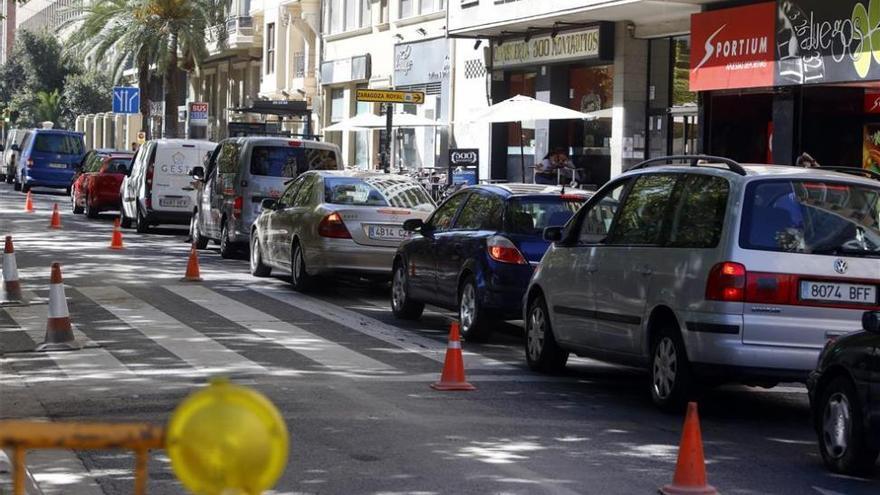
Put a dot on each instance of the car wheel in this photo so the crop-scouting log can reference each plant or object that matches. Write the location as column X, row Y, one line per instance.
column 258, row 268
column 842, row 435
column 125, row 221
column 402, row 305
column 16, row 183
column 76, row 209
column 195, row 234
column 142, row 227
column 91, row 211
column 299, row 277
column 475, row 324
column 543, row 353
column 25, row 188
column 227, row 249
column 670, row 372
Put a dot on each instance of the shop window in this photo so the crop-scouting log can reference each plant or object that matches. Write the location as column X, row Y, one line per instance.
column 521, row 83
column 410, row 8
column 673, row 124
column 362, row 138
column 592, row 92
column 270, row 48
column 345, row 15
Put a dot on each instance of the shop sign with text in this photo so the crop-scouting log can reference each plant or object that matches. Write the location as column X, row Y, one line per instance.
column 586, row 44
column 872, row 101
column 733, row 48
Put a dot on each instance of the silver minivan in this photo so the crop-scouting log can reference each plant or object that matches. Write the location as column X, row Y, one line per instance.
column 711, row 272
column 240, row 174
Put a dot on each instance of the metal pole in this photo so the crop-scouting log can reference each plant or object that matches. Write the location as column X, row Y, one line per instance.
column 522, row 154
column 18, row 470
column 386, row 153
column 141, row 457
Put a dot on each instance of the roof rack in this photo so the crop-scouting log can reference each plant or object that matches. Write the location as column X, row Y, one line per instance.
column 694, row 162
column 854, row 171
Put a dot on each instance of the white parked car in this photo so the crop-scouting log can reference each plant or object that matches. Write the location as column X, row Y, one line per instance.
column 158, row 188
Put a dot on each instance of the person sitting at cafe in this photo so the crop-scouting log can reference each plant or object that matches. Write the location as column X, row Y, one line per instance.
column 555, row 168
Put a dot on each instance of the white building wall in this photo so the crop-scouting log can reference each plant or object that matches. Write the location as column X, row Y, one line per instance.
column 470, row 91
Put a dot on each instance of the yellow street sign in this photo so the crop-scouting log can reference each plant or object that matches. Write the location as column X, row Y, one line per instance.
column 227, row 439
column 388, row 96
column 141, row 137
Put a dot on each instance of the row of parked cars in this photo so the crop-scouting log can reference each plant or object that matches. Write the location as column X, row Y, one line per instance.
column 702, row 272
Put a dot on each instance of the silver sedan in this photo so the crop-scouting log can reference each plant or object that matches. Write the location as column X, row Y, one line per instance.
column 330, row 222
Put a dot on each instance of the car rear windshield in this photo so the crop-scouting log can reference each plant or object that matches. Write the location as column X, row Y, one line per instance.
column 60, row 144
column 285, row 161
column 530, row 216
column 376, row 191
column 118, row 165
column 812, row 217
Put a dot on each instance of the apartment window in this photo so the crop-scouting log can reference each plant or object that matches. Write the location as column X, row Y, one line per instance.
column 345, row 15
column 410, row 8
column 270, row 48
column 337, row 105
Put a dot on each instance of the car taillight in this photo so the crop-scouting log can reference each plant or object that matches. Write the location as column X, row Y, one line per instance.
column 501, row 249
column 727, row 282
column 770, row 288
column 237, row 204
column 333, row 226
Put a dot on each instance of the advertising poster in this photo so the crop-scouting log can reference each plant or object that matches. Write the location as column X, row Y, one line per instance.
column 871, row 153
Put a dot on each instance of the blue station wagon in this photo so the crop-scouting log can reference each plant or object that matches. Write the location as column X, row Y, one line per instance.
column 477, row 251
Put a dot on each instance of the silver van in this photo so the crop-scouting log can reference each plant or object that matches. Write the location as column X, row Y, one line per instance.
column 240, row 174
column 710, row 272
column 11, row 151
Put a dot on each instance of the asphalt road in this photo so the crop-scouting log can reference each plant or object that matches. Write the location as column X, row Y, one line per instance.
column 352, row 383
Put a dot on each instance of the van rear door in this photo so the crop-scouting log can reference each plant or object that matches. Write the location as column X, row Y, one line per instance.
column 172, row 188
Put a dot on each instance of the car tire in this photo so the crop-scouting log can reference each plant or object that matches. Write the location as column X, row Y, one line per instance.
column 299, row 277
column 91, row 211
column 16, row 184
column 475, row 324
column 141, row 226
column 403, row 307
column 842, row 436
column 670, row 371
column 258, row 268
column 25, row 188
column 76, row 209
column 543, row 353
column 227, row 249
column 125, row 221
column 195, row 234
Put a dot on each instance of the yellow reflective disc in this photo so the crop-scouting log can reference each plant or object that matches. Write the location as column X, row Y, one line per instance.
column 227, row 439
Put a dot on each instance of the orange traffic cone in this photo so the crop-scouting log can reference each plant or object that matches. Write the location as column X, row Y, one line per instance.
column 28, row 203
column 11, row 292
column 59, row 334
column 116, row 238
column 56, row 218
column 690, row 470
column 452, row 377
column 192, row 267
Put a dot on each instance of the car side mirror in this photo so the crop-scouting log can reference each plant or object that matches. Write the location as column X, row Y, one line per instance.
column 197, row 173
column 871, row 321
column 413, row 225
column 553, row 234
column 268, row 204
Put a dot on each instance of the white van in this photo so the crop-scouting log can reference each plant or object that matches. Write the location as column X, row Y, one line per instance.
column 158, row 188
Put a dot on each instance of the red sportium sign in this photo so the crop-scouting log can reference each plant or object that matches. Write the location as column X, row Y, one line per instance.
column 733, row 48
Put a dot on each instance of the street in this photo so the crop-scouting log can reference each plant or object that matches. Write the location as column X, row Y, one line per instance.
column 352, row 383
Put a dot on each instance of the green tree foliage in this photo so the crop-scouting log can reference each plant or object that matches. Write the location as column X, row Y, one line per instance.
column 48, row 107
column 85, row 93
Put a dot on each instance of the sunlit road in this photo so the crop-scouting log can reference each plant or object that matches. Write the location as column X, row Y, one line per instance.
column 352, row 384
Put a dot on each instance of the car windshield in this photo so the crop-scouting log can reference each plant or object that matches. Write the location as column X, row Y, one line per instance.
column 812, row 217
column 530, row 216
column 286, row 161
column 61, row 144
column 376, row 191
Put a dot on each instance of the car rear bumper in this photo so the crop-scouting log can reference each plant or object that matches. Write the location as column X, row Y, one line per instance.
column 168, row 217
column 505, row 288
column 345, row 255
column 47, row 178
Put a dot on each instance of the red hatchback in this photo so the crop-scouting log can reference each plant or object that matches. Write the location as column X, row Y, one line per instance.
column 97, row 182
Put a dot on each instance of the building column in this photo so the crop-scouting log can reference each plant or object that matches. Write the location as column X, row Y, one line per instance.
column 98, row 131
column 630, row 96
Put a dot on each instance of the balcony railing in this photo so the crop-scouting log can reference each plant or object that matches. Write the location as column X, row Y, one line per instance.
column 239, row 23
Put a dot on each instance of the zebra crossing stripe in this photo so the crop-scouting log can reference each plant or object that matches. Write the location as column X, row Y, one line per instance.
column 87, row 363
column 196, row 349
column 310, row 345
column 405, row 339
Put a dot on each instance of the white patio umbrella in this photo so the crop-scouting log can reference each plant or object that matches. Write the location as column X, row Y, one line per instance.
column 520, row 108
column 369, row 121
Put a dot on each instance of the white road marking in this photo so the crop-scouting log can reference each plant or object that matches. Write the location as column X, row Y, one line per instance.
column 372, row 327
column 89, row 362
column 196, row 348
column 310, row 345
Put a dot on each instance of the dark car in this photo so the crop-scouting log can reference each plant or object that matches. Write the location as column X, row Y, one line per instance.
column 48, row 158
column 477, row 252
column 845, row 399
column 97, row 181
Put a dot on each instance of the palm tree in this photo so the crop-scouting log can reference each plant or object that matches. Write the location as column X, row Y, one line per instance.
column 148, row 33
column 48, row 107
